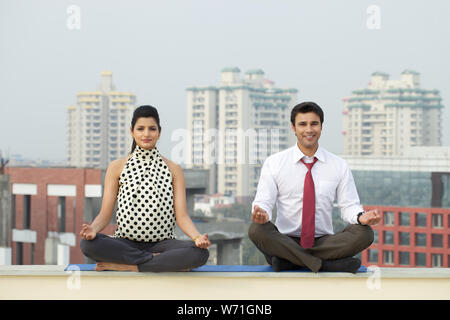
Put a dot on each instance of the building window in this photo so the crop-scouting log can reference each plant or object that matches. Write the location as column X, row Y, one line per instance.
column 19, row 253
column 404, row 238
column 373, row 255
column 375, row 236
column 437, row 221
column 421, row 239
column 61, row 214
column 421, row 259
column 403, row 258
column 388, row 218
column 13, row 211
column 436, row 260
column 421, row 219
column 436, row 240
column 27, row 211
column 388, row 237
column 404, row 219
column 32, row 253
column 388, row 257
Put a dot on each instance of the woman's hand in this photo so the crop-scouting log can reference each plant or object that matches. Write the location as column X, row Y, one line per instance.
column 87, row 232
column 202, row 241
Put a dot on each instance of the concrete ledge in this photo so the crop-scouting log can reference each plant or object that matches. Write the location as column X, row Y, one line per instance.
column 52, row 282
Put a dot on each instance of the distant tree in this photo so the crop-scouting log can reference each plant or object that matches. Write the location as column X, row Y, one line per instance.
column 199, row 213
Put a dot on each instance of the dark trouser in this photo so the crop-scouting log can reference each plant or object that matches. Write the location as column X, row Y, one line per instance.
column 346, row 243
column 174, row 255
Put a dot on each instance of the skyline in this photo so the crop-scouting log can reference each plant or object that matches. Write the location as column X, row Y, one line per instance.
column 157, row 50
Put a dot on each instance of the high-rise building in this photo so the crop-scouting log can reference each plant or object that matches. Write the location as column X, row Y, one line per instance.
column 389, row 116
column 233, row 127
column 98, row 125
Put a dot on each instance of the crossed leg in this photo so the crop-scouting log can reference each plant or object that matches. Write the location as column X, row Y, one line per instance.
column 346, row 243
column 127, row 255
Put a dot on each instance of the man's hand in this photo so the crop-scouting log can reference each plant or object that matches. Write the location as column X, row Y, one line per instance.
column 370, row 218
column 259, row 215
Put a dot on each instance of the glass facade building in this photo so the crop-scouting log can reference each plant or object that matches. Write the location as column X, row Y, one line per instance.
column 403, row 188
column 413, row 196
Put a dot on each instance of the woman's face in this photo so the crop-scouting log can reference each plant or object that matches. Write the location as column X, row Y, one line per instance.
column 145, row 133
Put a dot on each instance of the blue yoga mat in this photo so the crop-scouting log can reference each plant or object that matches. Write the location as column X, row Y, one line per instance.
column 209, row 268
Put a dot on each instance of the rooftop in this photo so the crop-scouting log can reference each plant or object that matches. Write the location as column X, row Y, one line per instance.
column 255, row 71
column 52, row 282
column 231, row 69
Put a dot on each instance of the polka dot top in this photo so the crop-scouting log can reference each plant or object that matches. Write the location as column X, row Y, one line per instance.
column 145, row 199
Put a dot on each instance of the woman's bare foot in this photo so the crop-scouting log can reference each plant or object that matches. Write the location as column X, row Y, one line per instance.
column 102, row 266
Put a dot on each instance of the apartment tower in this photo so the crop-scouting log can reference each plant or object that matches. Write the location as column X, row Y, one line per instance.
column 233, row 127
column 389, row 116
column 99, row 125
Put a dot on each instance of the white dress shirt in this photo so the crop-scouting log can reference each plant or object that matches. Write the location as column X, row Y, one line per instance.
column 281, row 183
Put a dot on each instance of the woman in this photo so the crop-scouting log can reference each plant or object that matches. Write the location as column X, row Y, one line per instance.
column 151, row 195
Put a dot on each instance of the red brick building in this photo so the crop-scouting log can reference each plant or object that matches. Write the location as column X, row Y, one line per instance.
column 410, row 237
column 48, row 210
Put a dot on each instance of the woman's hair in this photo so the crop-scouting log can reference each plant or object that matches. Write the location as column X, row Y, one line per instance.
column 306, row 107
column 144, row 112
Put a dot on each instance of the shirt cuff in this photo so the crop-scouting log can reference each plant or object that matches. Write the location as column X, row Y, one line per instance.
column 350, row 215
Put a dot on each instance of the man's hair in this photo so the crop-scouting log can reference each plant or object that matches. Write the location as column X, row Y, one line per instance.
column 306, row 107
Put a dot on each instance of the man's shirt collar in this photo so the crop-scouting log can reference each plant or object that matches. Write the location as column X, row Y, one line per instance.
column 298, row 154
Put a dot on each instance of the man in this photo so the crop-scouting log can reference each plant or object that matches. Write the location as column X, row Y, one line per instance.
column 303, row 181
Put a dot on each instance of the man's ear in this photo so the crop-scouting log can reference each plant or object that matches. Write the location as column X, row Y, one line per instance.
column 293, row 128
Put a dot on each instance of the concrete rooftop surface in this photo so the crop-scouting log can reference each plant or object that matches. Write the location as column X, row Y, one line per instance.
column 52, row 282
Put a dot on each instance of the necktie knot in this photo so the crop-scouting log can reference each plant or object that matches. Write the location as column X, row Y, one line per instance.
column 309, row 165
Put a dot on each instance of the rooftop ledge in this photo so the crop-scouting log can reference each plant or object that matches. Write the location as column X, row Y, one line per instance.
column 52, row 282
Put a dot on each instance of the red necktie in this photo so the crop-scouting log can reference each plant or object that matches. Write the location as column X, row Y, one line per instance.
column 309, row 209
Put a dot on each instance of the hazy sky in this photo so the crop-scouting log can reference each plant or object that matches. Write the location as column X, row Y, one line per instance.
column 157, row 49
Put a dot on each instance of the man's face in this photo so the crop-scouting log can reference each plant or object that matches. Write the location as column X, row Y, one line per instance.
column 307, row 129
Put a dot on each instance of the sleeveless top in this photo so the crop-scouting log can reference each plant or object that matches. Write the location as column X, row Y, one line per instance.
column 145, row 199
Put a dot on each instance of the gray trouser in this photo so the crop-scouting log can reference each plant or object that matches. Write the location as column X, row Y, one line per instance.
column 174, row 255
column 346, row 243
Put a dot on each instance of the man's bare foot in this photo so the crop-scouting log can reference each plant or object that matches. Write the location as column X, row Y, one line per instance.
column 102, row 266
